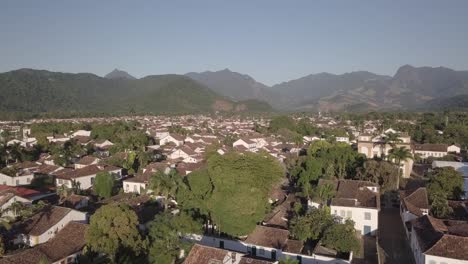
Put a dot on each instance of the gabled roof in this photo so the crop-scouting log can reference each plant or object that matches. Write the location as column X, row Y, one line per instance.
column 352, row 193
column 87, row 160
column 19, row 191
column 431, row 147
column 84, row 172
column 415, row 200
column 208, row 255
column 441, row 238
column 66, row 242
column 43, row 220
column 268, row 237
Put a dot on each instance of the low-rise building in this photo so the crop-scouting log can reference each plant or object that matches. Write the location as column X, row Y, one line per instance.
column 435, row 241
column 84, row 177
column 358, row 201
column 45, row 224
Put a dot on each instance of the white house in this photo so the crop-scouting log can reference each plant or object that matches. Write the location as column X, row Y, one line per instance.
column 247, row 143
column 81, row 133
column 176, row 139
column 45, row 224
column 342, row 139
column 267, row 243
column 431, row 150
column 64, row 247
column 434, row 241
column 453, row 149
column 413, row 204
column 181, row 153
column 84, row 176
column 16, row 180
column 308, row 139
column 137, row 184
column 358, row 201
column 86, row 161
column 103, row 144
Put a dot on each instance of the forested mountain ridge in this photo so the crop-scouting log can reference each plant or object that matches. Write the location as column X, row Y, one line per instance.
column 411, row 88
column 236, row 86
column 38, row 91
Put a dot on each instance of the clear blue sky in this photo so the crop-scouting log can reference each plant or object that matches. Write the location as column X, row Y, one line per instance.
column 270, row 40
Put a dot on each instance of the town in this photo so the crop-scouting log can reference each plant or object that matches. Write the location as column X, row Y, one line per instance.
column 299, row 188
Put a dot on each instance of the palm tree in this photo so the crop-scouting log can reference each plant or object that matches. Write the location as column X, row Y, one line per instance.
column 15, row 152
column 400, row 154
column 4, row 154
column 164, row 184
column 390, row 139
column 325, row 192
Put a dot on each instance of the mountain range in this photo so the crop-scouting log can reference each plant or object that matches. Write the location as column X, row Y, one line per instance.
column 411, row 88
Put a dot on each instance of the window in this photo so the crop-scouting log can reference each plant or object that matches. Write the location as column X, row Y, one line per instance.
column 126, row 187
column 432, row 262
column 349, row 214
column 367, row 216
column 60, row 181
column 261, row 251
column 28, row 180
column 92, row 180
column 342, row 213
column 17, row 182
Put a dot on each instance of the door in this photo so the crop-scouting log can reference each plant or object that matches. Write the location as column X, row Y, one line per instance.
column 254, row 251
column 367, row 230
column 221, row 244
column 273, row 255
column 299, row 259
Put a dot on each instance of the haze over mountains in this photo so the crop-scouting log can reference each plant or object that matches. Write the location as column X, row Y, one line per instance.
column 411, row 88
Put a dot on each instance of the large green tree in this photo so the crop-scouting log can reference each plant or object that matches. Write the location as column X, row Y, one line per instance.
column 114, row 227
column 381, row 172
column 447, row 181
column 233, row 190
column 312, row 225
column 104, row 184
column 342, row 237
column 165, row 233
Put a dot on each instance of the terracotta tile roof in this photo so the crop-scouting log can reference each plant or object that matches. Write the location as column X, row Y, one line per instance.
column 450, row 246
column 83, row 172
column 46, row 169
column 441, row 238
column 43, row 220
column 431, row 147
column 208, row 255
column 268, row 237
column 353, row 193
column 69, row 240
column 20, row 191
column 82, row 139
column 415, row 201
column 66, row 242
column 294, row 246
column 87, row 160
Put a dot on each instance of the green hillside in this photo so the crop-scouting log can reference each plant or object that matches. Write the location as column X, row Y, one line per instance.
column 39, row 91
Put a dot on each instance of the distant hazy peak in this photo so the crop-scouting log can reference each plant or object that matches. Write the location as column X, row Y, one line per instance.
column 119, row 74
